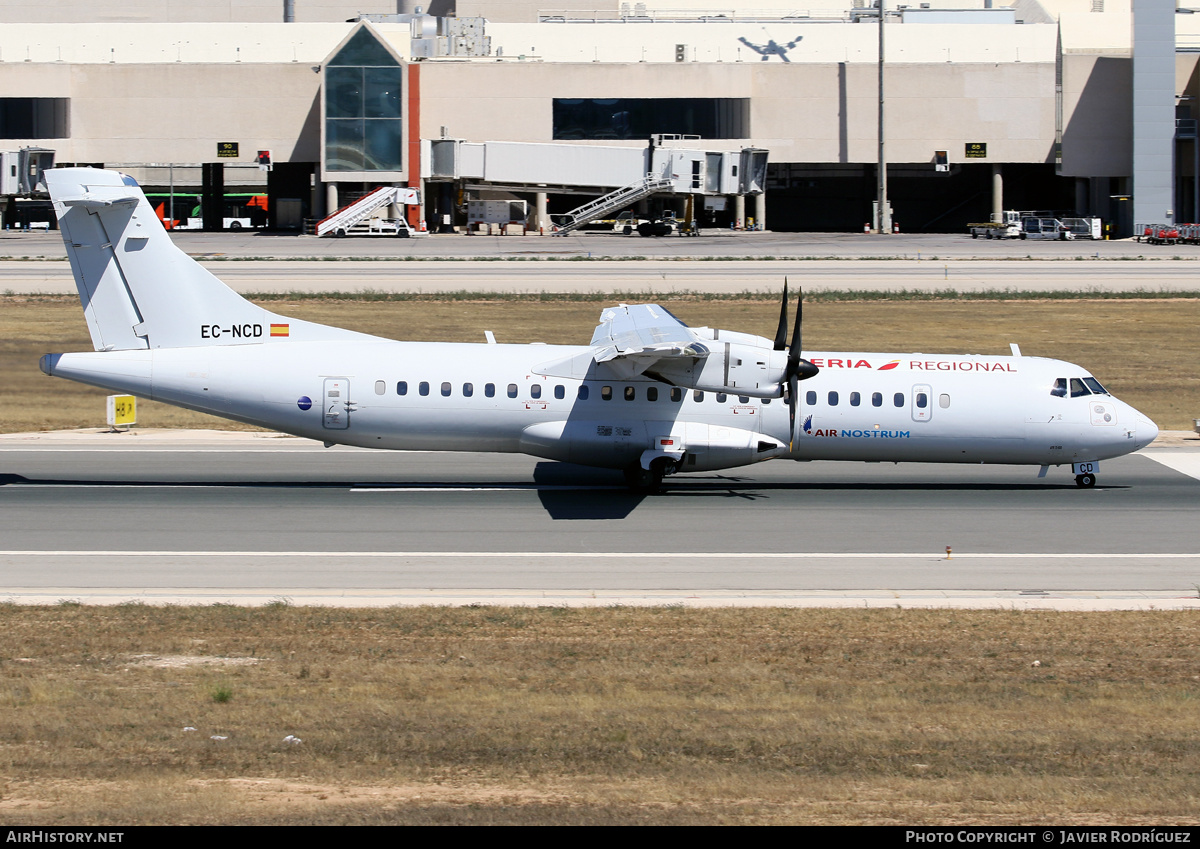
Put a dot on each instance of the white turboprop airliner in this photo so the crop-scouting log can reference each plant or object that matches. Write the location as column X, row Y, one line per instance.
column 649, row 395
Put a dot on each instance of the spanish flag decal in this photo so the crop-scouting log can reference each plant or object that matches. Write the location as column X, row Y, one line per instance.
column 280, row 329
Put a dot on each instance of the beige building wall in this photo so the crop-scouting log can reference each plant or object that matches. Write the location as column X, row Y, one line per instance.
column 1097, row 116
column 176, row 112
column 185, row 11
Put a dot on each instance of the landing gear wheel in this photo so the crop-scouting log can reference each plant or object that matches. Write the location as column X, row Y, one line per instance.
column 650, row 480
column 642, row 481
column 1085, row 481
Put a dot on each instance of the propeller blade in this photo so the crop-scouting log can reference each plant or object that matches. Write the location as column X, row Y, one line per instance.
column 794, row 350
column 797, row 367
column 793, row 399
column 781, row 333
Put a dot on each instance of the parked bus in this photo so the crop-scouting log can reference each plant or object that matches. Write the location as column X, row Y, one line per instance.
column 241, row 210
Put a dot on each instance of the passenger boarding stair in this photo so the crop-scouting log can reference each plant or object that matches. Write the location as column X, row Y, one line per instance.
column 614, row 202
column 360, row 211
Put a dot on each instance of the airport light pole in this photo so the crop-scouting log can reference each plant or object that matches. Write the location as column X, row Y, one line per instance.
column 883, row 214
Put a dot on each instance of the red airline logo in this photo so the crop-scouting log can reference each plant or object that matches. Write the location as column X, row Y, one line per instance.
column 916, row 365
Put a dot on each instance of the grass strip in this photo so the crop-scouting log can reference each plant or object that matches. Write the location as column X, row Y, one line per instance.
column 612, row 715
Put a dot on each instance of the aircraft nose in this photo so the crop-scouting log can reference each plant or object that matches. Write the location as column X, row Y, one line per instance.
column 1147, row 431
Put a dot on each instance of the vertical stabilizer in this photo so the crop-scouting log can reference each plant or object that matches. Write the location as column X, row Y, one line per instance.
column 140, row 291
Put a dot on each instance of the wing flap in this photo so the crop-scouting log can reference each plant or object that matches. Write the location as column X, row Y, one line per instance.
column 633, row 338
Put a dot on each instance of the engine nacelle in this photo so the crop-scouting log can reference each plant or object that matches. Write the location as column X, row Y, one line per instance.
column 746, row 366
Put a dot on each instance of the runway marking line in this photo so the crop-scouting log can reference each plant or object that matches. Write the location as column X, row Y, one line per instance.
column 1187, row 463
column 613, row 555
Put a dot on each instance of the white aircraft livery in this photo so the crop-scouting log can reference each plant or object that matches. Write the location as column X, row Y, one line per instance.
column 649, row 395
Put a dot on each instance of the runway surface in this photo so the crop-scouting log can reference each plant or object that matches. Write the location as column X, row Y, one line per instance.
column 249, row 244
column 241, row 518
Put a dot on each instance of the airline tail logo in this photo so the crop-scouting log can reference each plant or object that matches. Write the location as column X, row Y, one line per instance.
column 280, row 329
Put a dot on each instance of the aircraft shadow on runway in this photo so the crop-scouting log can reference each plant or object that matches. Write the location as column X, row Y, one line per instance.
column 570, row 492
column 577, row 492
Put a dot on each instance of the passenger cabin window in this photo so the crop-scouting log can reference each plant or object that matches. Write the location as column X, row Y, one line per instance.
column 676, row 394
column 944, row 401
column 402, row 387
column 697, row 396
column 606, row 393
column 423, row 387
column 722, row 397
column 810, row 398
column 922, row 400
column 512, row 390
column 630, row 393
column 1060, row 388
column 876, row 399
column 489, row 389
column 535, row 390
column 380, row 387
column 833, row 399
column 583, row 392
column 855, row 399
column 651, row 393
column 560, row 391
column 468, row 390
column 446, row 389
column 898, row 400
column 743, row 399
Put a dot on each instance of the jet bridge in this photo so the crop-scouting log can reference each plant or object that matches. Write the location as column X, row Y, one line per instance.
column 622, row 175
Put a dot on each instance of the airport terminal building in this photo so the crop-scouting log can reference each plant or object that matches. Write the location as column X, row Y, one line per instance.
column 770, row 113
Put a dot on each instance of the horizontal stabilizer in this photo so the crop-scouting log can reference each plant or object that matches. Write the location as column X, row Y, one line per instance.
column 94, row 202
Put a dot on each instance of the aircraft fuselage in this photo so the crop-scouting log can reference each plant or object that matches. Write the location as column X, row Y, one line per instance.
column 465, row 397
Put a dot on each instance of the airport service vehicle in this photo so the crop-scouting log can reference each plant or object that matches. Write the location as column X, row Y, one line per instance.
column 1085, row 228
column 1045, row 228
column 388, row 227
column 1023, row 225
column 647, row 395
column 664, row 225
column 1008, row 227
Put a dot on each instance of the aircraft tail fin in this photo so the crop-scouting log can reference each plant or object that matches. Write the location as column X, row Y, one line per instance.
column 137, row 288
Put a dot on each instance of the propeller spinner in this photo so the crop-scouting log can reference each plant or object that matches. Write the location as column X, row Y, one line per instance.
column 798, row 368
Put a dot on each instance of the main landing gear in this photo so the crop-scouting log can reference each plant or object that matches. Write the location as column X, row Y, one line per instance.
column 1085, row 481
column 648, row 481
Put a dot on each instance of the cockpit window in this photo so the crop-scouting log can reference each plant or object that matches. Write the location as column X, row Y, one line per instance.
column 1060, row 388
column 1095, row 386
column 1078, row 389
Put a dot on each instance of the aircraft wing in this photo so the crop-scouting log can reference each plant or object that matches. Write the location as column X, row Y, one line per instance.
column 633, row 338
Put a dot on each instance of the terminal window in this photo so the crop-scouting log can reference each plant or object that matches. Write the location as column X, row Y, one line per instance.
column 641, row 117
column 35, row 117
column 363, row 108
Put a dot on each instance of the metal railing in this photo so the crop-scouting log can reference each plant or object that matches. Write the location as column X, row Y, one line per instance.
column 613, row 201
